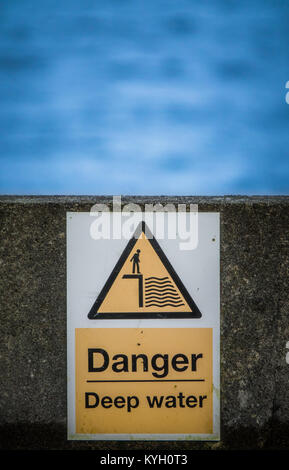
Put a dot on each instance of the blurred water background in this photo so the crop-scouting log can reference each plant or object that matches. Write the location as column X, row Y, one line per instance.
column 144, row 97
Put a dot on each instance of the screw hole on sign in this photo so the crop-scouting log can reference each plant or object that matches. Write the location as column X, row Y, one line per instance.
column 287, row 355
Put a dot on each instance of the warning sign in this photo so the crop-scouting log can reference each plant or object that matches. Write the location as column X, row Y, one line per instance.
column 144, row 284
column 144, row 380
column 143, row 332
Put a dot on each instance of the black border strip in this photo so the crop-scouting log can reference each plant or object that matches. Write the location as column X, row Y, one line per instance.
column 94, row 315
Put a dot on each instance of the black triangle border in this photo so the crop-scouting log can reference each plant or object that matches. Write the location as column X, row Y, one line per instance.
column 93, row 313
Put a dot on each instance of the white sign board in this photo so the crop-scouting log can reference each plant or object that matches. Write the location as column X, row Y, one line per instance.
column 143, row 328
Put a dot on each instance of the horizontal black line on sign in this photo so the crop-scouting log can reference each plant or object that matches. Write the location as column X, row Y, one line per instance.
column 160, row 285
column 143, row 315
column 163, row 301
column 152, row 380
column 155, row 289
column 158, row 278
column 164, row 305
column 165, row 297
column 163, row 294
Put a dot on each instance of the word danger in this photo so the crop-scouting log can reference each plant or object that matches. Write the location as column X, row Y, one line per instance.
column 100, row 361
column 92, row 400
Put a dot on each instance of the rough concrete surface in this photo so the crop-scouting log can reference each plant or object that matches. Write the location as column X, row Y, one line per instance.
column 254, row 322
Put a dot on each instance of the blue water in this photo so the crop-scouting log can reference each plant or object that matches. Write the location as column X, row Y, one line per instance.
column 144, row 97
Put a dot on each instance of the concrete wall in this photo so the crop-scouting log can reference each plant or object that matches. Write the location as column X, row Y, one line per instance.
column 254, row 322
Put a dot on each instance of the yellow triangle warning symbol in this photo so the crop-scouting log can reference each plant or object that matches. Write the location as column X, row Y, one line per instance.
column 143, row 284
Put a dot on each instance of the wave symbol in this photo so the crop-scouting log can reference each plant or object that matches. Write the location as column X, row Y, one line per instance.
column 160, row 292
